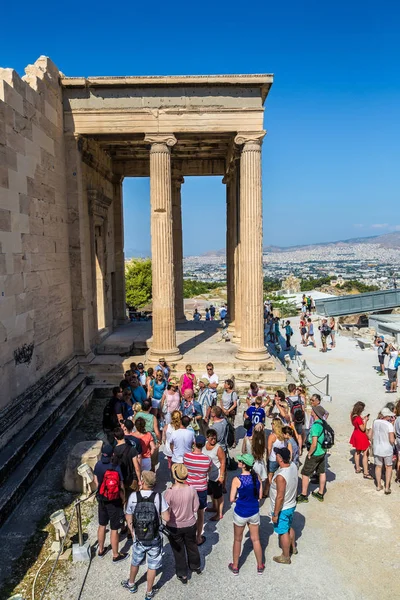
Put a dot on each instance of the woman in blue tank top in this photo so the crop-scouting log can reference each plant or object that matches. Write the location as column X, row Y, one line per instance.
column 246, row 491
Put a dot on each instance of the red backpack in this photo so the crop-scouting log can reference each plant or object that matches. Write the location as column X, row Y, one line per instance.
column 110, row 486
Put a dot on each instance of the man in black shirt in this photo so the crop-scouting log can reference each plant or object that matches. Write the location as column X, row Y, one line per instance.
column 126, row 457
column 113, row 413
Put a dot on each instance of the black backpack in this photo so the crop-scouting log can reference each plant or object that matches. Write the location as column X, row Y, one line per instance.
column 145, row 518
column 124, row 460
column 329, row 436
column 230, row 434
column 110, row 420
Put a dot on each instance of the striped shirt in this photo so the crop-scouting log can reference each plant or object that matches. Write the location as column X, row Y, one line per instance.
column 198, row 466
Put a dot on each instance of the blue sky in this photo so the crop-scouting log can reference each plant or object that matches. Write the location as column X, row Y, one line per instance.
column 332, row 154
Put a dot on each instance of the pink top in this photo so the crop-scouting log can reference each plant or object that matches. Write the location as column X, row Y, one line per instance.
column 172, row 401
column 187, row 383
column 183, row 505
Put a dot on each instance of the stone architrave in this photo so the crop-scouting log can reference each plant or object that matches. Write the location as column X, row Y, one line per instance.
column 163, row 313
column 177, row 181
column 252, row 346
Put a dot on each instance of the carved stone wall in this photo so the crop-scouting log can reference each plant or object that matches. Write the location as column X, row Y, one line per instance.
column 35, row 287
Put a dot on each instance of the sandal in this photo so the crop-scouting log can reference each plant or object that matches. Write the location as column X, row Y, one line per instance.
column 387, row 492
column 358, row 471
column 367, row 476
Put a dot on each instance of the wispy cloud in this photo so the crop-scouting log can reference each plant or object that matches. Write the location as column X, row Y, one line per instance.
column 359, row 225
column 380, row 226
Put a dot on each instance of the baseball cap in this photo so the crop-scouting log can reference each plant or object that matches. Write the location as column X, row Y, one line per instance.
column 149, row 478
column 284, row 453
column 179, row 472
column 200, row 440
column 204, row 380
column 246, row 459
column 319, row 411
column 140, row 366
column 386, row 412
column 106, row 453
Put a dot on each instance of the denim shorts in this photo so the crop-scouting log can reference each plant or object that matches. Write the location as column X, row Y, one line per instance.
column 202, row 499
column 272, row 466
column 285, row 520
column 152, row 553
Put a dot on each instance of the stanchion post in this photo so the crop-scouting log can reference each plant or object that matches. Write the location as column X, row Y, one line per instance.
column 327, row 385
column 79, row 519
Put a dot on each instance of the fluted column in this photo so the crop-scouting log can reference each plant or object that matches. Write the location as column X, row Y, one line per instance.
column 177, row 181
column 230, row 180
column 164, row 333
column 237, row 323
column 118, row 294
column 251, row 274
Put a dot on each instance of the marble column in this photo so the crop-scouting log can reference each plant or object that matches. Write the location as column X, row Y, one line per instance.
column 230, row 180
column 252, row 346
column 164, row 333
column 237, row 323
column 177, row 181
column 118, row 282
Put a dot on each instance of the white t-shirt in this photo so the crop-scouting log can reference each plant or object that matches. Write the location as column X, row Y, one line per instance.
column 212, row 379
column 131, row 505
column 392, row 359
column 289, row 473
column 380, row 432
column 183, row 440
column 167, row 447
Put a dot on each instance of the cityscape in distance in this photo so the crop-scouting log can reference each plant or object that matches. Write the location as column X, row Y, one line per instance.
column 373, row 260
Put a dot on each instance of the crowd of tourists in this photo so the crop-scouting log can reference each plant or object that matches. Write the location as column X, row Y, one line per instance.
column 192, row 419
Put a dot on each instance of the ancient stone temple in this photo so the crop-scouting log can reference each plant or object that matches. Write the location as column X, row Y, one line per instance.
column 66, row 144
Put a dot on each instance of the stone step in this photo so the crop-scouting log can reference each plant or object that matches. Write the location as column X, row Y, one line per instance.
column 23, row 475
column 14, row 452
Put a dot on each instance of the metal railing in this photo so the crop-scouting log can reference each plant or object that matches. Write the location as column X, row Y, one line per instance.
column 76, row 512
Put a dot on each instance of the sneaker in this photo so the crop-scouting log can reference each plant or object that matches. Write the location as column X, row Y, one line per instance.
column 282, row 560
column 318, row 496
column 131, row 587
column 102, row 554
column 183, row 580
column 234, row 570
column 260, row 569
column 121, row 556
column 301, row 498
column 150, row 595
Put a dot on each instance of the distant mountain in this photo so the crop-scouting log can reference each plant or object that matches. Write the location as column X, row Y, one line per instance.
column 387, row 240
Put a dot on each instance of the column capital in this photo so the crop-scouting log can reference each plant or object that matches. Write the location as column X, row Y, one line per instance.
column 177, row 180
column 250, row 137
column 160, row 142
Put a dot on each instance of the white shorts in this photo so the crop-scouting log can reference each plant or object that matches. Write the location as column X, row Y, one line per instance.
column 386, row 460
column 243, row 521
column 155, row 403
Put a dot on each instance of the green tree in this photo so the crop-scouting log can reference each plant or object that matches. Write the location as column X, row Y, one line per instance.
column 362, row 288
column 271, row 285
column 138, row 280
column 311, row 284
column 192, row 287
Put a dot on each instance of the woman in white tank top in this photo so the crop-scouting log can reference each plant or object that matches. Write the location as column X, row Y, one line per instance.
column 275, row 440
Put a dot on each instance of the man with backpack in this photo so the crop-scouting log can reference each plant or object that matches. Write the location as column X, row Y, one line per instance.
column 382, row 351
column 144, row 512
column 296, row 406
column 321, row 437
column 126, row 457
column 110, row 495
column 113, row 414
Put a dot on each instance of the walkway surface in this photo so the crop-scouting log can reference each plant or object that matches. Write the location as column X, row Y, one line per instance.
column 348, row 545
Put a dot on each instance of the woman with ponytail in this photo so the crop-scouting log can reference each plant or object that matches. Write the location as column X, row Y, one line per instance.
column 246, row 491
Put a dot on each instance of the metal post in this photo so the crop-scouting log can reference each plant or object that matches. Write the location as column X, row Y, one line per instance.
column 327, row 385
column 79, row 519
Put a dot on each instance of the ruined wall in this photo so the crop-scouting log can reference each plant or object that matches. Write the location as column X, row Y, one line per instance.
column 35, row 288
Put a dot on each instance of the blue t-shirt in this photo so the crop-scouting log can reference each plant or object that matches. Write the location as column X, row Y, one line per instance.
column 247, row 502
column 138, row 394
column 289, row 330
column 101, row 468
column 256, row 415
column 158, row 389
